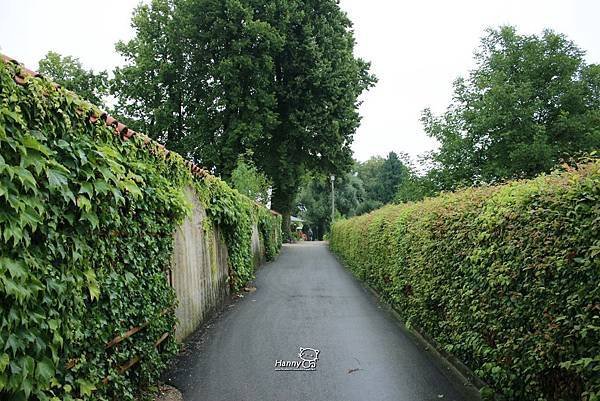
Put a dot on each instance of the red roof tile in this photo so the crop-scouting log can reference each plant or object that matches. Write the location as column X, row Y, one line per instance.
column 120, row 128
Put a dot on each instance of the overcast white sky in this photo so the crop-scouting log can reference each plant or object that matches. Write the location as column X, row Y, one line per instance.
column 417, row 48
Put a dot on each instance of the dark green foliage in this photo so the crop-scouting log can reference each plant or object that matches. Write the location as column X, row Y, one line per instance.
column 415, row 188
column 383, row 178
column 150, row 94
column 369, row 186
column 314, row 200
column 215, row 79
column 269, row 225
column 367, row 206
column 393, row 173
column 247, row 180
column 317, row 84
column 530, row 101
column 236, row 214
column 505, row 278
column 369, row 173
column 86, row 237
column 68, row 72
column 314, row 204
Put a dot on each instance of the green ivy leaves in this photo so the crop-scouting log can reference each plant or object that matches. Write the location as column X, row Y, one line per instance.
column 68, row 221
column 57, row 179
column 86, row 236
column 236, row 214
column 44, row 370
column 4, row 360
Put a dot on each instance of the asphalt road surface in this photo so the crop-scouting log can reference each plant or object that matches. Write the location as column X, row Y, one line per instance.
column 307, row 299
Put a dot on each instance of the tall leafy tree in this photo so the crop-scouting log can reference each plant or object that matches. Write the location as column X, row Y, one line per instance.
column 318, row 81
column 250, row 182
column 382, row 177
column 369, row 173
column 393, row 172
column 150, row 89
column 231, row 72
column 278, row 78
column 415, row 187
column 68, row 72
column 314, row 200
column 530, row 101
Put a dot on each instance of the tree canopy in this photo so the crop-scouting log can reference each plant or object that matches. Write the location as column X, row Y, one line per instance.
column 530, row 101
column 382, row 177
column 150, row 88
column 369, row 173
column 215, row 79
column 277, row 84
column 314, row 200
column 250, row 182
column 368, row 186
column 69, row 73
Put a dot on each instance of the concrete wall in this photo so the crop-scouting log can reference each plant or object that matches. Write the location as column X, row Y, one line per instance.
column 258, row 248
column 200, row 270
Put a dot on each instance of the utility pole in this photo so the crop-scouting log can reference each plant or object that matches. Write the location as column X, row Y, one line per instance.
column 332, row 199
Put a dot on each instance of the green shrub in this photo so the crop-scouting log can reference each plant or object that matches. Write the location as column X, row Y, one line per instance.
column 236, row 214
column 86, row 238
column 269, row 226
column 505, row 278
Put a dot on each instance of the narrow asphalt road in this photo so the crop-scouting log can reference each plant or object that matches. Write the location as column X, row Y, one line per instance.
column 307, row 299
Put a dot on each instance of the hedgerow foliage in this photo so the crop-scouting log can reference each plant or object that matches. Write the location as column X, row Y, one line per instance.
column 505, row 278
column 86, row 237
column 237, row 214
column 270, row 227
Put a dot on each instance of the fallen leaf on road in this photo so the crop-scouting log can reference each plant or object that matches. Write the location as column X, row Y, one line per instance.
column 249, row 289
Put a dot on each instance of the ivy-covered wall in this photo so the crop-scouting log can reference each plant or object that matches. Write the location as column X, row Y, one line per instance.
column 86, row 240
column 200, row 272
column 505, row 278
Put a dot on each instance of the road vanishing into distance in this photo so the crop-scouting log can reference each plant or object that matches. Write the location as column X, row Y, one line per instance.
column 307, row 299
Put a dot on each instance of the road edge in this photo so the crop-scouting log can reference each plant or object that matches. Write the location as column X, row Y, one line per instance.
column 467, row 383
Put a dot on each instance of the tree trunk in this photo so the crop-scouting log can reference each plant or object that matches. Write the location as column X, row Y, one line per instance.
column 282, row 200
column 285, row 224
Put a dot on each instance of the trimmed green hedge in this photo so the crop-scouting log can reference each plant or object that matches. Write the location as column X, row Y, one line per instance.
column 86, row 237
column 505, row 278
